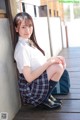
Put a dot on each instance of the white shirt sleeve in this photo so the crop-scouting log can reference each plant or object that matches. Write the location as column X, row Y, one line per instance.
column 22, row 59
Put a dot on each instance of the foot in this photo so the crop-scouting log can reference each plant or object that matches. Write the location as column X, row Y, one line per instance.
column 55, row 99
column 51, row 104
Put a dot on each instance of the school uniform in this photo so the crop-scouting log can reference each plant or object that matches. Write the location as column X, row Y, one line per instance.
column 25, row 55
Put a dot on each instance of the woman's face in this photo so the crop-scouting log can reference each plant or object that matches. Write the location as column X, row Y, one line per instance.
column 25, row 29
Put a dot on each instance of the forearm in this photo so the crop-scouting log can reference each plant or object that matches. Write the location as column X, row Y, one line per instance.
column 32, row 75
column 39, row 71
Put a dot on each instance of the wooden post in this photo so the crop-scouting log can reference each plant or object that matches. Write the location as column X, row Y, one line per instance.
column 11, row 6
column 66, row 36
column 11, row 10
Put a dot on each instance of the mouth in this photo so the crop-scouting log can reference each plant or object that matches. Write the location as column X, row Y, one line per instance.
column 26, row 34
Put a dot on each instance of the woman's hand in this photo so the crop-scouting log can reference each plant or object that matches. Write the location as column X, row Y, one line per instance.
column 54, row 60
column 57, row 60
column 62, row 59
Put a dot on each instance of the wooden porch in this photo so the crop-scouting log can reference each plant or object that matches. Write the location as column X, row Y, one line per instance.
column 71, row 103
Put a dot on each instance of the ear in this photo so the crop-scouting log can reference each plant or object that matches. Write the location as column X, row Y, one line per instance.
column 16, row 29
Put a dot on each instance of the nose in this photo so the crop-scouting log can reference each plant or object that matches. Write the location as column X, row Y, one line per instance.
column 27, row 28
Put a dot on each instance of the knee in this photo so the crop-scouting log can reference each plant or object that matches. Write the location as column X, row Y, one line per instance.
column 60, row 69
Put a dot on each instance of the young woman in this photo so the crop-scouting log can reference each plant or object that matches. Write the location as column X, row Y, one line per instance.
column 37, row 75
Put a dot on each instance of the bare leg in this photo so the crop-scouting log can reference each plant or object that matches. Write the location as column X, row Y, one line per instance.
column 55, row 71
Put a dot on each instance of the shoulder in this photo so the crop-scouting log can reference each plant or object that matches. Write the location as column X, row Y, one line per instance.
column 21, row 49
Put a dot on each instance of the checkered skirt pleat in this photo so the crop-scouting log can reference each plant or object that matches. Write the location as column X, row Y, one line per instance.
column 35, row 92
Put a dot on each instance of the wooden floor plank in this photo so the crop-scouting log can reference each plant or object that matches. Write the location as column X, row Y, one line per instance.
column 46, row 116
column 73, row 69
column 70, row 62
column 72, row 96
column 75, row 91
column 75, row 86
column 70, row 106
column 71, row 53
column 74, row 80
column 74, row 74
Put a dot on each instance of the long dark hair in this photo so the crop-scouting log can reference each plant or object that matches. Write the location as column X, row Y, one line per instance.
column 17, row 20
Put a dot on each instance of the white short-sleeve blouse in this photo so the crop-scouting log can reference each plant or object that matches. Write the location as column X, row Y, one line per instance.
column 25, row 55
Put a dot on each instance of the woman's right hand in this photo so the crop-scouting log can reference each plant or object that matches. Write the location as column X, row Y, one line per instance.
column 54, row 60
column 57, row 60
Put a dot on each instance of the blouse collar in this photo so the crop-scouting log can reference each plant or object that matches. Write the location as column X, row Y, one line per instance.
column 23, row 40
column 26, row 41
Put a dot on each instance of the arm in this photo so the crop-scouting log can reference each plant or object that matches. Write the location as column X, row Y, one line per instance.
column 60, row 59
column 31, row 76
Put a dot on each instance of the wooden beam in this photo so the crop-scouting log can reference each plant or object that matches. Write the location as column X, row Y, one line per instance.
column 66, row 36
column 11, row 10
column 11, row 6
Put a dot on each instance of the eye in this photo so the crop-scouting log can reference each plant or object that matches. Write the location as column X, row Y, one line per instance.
column 23, row 27
column 30, row 25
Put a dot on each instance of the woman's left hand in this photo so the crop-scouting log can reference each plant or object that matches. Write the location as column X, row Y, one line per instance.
column 62, row 59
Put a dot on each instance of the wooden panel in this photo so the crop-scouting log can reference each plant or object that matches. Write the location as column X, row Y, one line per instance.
column 69, row 96
column 71, row 53
column 73, row 69
column 75, row 86
column 70, row 62
column 74, row 81
column 48, row 116
column 77, row 91
column 70, row 50
column 74, row 75
column 67, row 106
column 70, row 106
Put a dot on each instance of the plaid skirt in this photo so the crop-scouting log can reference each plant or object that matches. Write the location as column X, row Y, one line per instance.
column 34, row 92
